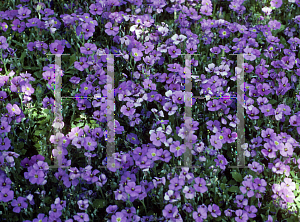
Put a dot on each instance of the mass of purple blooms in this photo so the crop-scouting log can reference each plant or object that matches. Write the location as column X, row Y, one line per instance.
column 152, row 134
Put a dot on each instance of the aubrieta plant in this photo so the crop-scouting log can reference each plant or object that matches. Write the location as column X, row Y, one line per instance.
column 148, row 180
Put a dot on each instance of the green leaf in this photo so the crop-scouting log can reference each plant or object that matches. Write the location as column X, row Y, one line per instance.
column 48, row 200
column 72, row 60
column 37, row 145
column 237, row 176
column 22, row 57
column 290, row 100
column 292, row 173
column 292, row 219
column 259, row 122
column 234, row 189
column 282, row 40
column 80, row 124
column 99, row 203
column 38, row 132
column 18, row 43
column 223, row 186
column 272, row 101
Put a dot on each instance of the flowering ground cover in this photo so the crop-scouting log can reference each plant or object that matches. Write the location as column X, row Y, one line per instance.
column 132, row 110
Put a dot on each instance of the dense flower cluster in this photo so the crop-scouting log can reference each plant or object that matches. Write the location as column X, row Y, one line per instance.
column 151, row 135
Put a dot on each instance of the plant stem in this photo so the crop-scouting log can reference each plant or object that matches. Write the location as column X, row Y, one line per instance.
column 4, row 64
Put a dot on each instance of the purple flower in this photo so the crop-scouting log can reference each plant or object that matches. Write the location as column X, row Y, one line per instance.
column 269, row 150
column 5, row 127
column 221, row 162
column 294, row 120
column 4, row 143
column 176, row 184
column 268, row 134
column 27, row 89
column 134, row 120
column 40, row 165
column 247, row 188
column 178, row 97
column 287, row 150
column 95, row 9
column 270, row 219
column 88, row 48
column 137, row 54
column 169, row 211
column 6, row 195
column 13, row 109
column 224, row 33
column 86, row 88
column 200, row 214
column 148, row 84
column 287, row 195
column 215, row 50
column 172, row 196
column 177, row 149
column 82, row 64
column 267, row 110
column 276, row 3
column 33, row 22
column 213, row 105
column 23, row 12
column 81, row 217
column 170, row 108
column 191, row 48
column 256, row 167
column 41, row 218
column 215, row 210
column 241, row 201
column 216, row 142
column 252, row 112
column 5, row 182
column 228, row 212
column 83, row 104
column 3, row 95
column 157, row 138
column 75, row 80
column 36, row 176
column 173, row 51
column 18, row 204
column 132, row 138
column 128, row 110
column 241, row 216
column 56, row 48
column 189, row 192
column 110, row 30
column 75, row 132
column 263, row 89
column 3, row 44
column 251, row 210
column 118, row 217
column 111, row 209
column 83, row 204
column 288, row 183
column 249, row 54
column 89, row 143
column 132, row 189
column 78, row 141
